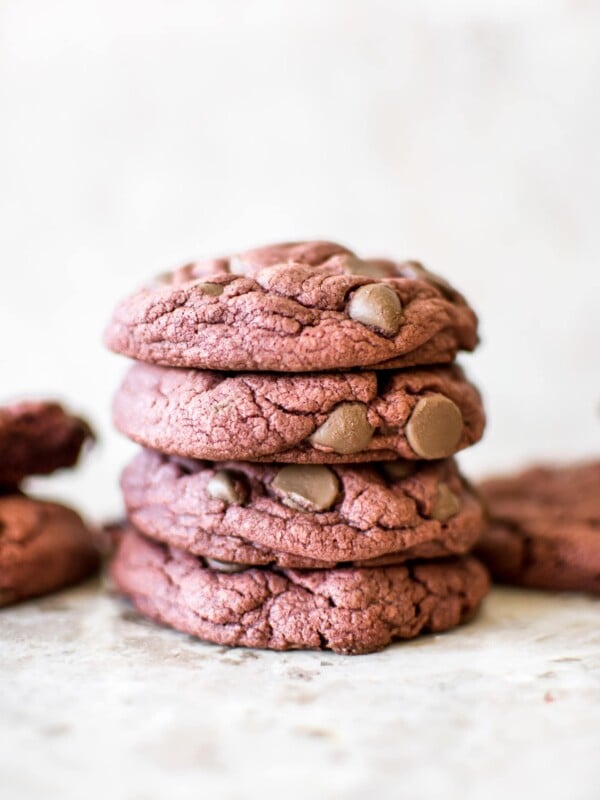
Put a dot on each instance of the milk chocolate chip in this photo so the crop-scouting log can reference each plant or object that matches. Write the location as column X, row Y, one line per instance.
column 225, row 566
column 162, row 279
column 396, row 470
column 445, row 503
column 378, row 306
column 306, row 487
column 223, row 486
column 434, row 427
column 413, row 269
column 214, row 289
column 356, row 266
column 346, row 430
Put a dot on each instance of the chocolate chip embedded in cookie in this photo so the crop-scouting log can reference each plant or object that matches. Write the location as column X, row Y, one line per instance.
column 544, row 528
column 346, row 430
column 306, row 487
column 377, row 306
column 43, row 547
column 434, row 427
column 37, row 438
column 348, row 610
column 300, row 307
column 226, row 485
column 326, row 514
column 312, row 418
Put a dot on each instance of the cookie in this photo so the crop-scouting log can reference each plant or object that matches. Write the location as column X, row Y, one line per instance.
column 544, row 527
column 298, row 307
column 328, row 514
column 37, row 438
column 309, row 418
column 43, row 547
column 348, row 610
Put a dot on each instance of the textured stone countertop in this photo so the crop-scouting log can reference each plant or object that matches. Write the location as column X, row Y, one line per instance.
column 97, row 703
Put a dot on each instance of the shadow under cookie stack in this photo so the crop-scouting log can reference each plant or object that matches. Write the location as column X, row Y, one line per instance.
column 298, row 409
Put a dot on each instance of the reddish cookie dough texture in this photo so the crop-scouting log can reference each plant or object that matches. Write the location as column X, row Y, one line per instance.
column 43, row 547
column 292, row 308
column 348, row 610
column 544, row 528
column 291, row 418
column 37, row 438
column 373, row 516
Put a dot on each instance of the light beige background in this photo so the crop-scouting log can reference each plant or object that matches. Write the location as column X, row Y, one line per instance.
column 136, row 135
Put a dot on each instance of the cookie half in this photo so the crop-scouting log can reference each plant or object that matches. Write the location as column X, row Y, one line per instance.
column 544, row 527
column 43, row 547
column 348, row 610
column 299, row 307
column 326, row 418
column 328, row 514
column 37, row 438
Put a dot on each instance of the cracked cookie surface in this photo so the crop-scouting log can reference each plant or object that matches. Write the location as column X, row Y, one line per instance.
column 348, row 610
column 268, row 515
column 43, row 547
column 299, row 307
column 307, row 418
column 37, row 438
column 544, row 527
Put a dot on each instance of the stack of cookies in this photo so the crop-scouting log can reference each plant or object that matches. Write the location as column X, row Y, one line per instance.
column 43, row 546
column 299, row 411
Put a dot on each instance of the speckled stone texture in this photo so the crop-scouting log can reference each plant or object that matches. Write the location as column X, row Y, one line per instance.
column 211, row 415
column 43, row 547
column 544, row 528
column 284, row 308
column 373, row 516
column 37, row 438
column 348, row 610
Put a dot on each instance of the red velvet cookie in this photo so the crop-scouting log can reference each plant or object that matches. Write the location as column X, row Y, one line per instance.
column 266, row 513
column 43, row 547
column 300, row 307
column 544, row 527
column 37, row 438
column 308, row 418
column 348, row 610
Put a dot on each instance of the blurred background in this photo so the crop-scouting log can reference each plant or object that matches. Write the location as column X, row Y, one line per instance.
column 135, row 136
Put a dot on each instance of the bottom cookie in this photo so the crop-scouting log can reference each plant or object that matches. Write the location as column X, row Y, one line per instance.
column 544, row 529
column 348, row 609
column 43, row 547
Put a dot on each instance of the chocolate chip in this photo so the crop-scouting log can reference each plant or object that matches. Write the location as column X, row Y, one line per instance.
column 413, row 269
column 396, row 470
column 346, row 430
column 225, row 566
column 378, row 306
column 434, row 427
column 445, row 503
column 306, row 487
column 213, row 289
column 356, row 266
column 162, row 279
column 224, row 486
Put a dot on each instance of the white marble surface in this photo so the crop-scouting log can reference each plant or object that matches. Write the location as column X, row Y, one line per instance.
column 97, row 703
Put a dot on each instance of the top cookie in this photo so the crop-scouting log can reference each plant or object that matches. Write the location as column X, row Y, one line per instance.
column 296, row 307
column 36, row 438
